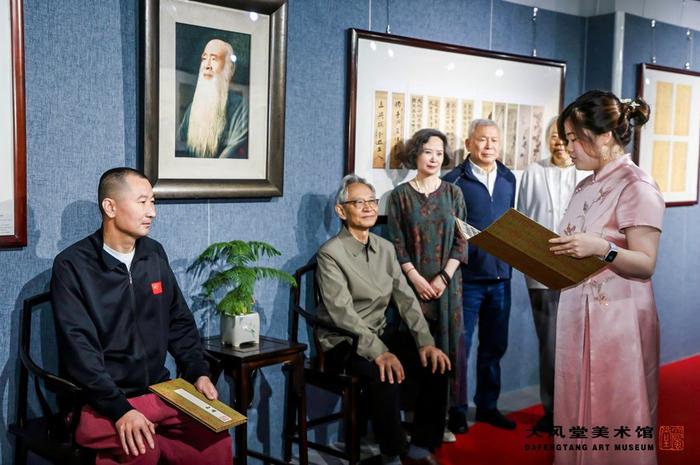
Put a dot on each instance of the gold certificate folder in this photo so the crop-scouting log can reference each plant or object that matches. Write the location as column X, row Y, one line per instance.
column 213, row 414
column 524, row 244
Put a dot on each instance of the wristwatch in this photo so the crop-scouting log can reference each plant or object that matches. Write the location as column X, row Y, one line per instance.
column 612, row 253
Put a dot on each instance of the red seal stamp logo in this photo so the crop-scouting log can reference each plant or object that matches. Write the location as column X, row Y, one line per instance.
column 671, row 438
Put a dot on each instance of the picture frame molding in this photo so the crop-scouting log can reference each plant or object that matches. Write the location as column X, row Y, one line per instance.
column 272, row 185
column 642, row 67
column 355, row 35
column 19, row 156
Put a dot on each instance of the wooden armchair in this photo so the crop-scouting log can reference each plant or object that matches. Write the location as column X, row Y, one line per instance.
column 52, row 435
column 317, row 374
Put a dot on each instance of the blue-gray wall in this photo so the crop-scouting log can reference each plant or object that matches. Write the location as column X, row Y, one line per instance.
column 675, row 282
column 82, row 118
column 599, row 51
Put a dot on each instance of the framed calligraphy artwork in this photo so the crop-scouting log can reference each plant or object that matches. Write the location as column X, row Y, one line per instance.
column 668, row 146
column 398, row 85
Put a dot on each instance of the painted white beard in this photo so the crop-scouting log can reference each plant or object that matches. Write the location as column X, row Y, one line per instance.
column 207, row 116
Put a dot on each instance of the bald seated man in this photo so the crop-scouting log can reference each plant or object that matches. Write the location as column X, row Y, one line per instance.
column 118, row 312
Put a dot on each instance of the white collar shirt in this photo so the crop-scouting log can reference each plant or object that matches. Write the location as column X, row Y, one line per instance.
column 125, row 258
column 487, row 178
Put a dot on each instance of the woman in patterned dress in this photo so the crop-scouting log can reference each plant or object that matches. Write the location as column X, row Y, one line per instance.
column 607, row 347
column 430, row 250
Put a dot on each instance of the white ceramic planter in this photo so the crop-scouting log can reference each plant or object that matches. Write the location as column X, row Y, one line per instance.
column 240, row 329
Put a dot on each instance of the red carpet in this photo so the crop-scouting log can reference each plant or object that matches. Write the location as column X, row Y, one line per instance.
column 679, row 405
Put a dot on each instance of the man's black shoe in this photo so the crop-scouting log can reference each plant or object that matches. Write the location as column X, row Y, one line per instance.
column 494, row 418
column 545, row 424
column 457, row 422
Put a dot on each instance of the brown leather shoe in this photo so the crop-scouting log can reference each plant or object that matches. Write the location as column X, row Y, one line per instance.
column 427, row 460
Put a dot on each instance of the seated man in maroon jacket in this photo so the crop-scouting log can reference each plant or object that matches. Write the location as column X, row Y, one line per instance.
column 118, row 312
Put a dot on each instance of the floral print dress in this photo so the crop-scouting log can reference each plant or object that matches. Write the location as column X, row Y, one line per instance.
column 424, row 233
column 607, row 349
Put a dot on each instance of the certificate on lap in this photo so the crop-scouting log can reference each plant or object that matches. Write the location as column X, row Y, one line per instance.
column 524, row 244
column 213, row 414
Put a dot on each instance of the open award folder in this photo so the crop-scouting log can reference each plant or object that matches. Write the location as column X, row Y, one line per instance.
column 214, row 414
column 524, row 244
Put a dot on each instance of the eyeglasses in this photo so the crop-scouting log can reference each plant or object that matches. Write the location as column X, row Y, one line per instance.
column 360, row 203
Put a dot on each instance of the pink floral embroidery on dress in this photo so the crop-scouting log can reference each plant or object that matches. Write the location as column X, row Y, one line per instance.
column 595, row 288
column 570, row 229
column 602, row 193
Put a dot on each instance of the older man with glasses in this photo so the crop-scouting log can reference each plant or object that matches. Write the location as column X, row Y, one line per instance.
column 358, row 274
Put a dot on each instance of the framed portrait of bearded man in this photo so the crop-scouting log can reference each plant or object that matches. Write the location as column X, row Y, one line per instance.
column 214, row 84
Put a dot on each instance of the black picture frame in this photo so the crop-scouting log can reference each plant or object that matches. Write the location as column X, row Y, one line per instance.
column 181, row 188
column 404, row 68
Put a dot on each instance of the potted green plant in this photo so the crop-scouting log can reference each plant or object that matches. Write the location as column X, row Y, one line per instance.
column 233, row 270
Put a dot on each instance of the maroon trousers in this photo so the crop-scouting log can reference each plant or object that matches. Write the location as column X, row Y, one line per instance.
column 179, row 439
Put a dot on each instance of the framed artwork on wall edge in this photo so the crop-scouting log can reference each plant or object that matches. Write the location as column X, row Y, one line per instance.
column 13, row 146
column 398, row 85
column 668, row 145
column 214, row 76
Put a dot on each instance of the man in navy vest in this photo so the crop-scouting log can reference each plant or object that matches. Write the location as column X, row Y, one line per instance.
column 489, row 191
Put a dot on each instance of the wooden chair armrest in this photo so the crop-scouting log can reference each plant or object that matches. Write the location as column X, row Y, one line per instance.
column 316, row 322
column 52, row 382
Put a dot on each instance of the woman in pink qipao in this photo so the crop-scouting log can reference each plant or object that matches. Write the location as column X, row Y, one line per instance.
column 607, row 349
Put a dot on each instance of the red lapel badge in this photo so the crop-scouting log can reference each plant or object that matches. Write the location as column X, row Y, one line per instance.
column 157, row 287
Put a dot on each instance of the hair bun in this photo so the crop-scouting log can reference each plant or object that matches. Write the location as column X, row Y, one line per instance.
column 633, row 113
column 599, row 111
column 635, row 110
